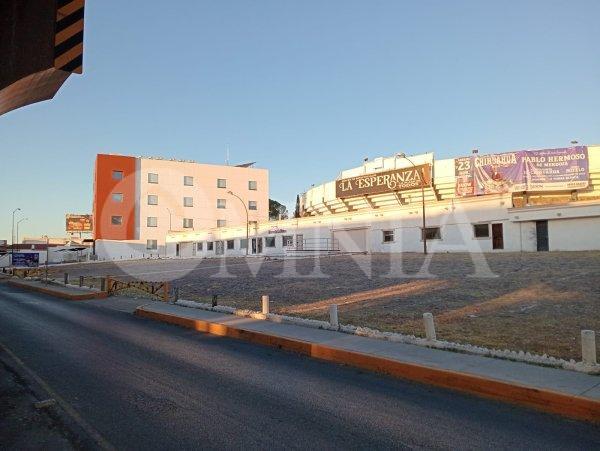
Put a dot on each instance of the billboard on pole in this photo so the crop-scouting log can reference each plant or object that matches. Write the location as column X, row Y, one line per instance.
column 78, row 223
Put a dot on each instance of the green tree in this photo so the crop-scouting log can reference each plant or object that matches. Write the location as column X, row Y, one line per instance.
column 277, row 210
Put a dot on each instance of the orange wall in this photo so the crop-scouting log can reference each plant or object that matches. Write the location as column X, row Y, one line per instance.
column 105, row 207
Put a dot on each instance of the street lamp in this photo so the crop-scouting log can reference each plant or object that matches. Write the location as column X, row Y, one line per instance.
column 19, row 222
column 47, row 257
column 247, row 220
column 422, row 177
column 12, row 236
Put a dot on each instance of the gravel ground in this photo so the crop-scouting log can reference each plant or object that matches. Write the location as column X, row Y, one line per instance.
column 536, row 302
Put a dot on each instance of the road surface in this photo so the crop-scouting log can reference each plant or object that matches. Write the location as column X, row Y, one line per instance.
column 145, row 385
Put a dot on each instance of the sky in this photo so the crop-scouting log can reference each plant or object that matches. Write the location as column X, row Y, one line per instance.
column 304, row 88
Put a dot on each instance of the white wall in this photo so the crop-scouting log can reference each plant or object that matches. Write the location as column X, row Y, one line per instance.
column 580, row 234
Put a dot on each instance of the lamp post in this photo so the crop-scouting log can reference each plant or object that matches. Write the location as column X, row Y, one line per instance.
column 247, row 220
column 12, row 236
column 422, row 177
column 19, row 222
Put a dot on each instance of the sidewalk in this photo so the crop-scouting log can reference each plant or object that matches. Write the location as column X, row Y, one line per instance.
column 69, row 292
column 568, row 393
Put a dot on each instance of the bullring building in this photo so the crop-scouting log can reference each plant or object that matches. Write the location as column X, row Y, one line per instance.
column 517, row 201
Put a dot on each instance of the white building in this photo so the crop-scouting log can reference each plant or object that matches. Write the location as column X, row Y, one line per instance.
column 561, row 215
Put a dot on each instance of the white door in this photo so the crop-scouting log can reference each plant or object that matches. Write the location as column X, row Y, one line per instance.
column 354, row 240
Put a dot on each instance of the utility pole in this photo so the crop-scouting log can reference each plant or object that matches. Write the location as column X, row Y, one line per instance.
column 422, row 178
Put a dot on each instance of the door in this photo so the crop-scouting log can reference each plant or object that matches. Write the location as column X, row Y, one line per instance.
column 497, row 236
column 541, row 232
column 350, row 240
column 219, row 247
column 257, row 247
column 299, row 242
column 177, row 250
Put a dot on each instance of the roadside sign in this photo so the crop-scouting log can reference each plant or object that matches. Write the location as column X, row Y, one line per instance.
column 26, row 259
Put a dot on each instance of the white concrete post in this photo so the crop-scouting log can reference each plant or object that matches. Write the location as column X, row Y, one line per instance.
column 265, row 304
column 333, row 316
column 429, row 326
column 588, row 346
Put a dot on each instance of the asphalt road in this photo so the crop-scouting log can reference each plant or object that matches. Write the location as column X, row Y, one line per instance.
column 146, row 385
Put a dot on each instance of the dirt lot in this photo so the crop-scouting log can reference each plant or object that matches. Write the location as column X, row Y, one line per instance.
column 534, row 302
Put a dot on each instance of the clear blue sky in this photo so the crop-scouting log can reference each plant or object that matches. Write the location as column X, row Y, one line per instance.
column 305, row 88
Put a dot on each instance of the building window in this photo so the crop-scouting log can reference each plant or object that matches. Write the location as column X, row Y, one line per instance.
column 251, row 205
column 152, row 178
column 117, row 175
column 221, row 183
column 117, row 197
column 270, row 241
column 288, row 240
column 152, row 221
column 188, row 223
column 210, row 246
column 481, row 230
column 151, row 244
column 388, row 236
column 221, row 223
column 188, row 201
column 221, row 203
column 230, row 244
column 253, row 224
column 243, row 243
column 252, row 185
column 116, row 220
column 199, row 246
column 433, row 233
column 152, row 199
column 188, row 180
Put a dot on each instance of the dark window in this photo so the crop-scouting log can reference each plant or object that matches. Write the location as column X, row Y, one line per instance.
column 481, row 230
column 199, row 246
column 151, row 244
column 152, row 178
column 221, row 222
column 152, row 199
column 252, row 205
column 288, row 240
column 116, row 220
column 388, row 236
column 252, row 185
column 117, row 175
column 152, row 221
column 230, row 244
column 188, row 223
column 433, row 233
column 188, row 180
column 188, row 201
column 243, row 243
column 270, row 241
column 221, row 203
column 210, row 245
column 221, row 183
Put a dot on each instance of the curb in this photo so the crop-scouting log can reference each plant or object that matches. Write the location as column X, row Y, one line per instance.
column 59, row 294
column 571, row 406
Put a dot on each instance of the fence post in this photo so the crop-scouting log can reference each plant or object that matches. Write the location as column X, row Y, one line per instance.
column 333, row 316
column 66, row 278
column 429, row 326
column 103, row 283
column 265, row 304
column 80, row 281
column 214, row 300
column 588, row 346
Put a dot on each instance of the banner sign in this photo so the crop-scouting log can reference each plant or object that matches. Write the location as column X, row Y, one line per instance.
column 384, row 182
column 26, row 259
column 525, row 170
column 79, row 223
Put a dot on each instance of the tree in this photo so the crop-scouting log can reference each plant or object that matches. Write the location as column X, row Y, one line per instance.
column 277, row 210
column 297, row 210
